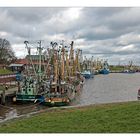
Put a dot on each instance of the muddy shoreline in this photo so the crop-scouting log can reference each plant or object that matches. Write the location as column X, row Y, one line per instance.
column 51, row 109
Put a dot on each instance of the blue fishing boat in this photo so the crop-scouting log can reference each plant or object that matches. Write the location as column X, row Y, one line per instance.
column 105, row 69
column 88, row 68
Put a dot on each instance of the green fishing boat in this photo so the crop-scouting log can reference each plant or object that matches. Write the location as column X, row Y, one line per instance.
column 33, row 86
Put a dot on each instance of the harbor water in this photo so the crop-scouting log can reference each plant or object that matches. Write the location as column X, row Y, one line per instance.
column 114, row 87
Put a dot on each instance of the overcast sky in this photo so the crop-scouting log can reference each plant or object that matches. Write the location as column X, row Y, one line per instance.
column 108, row 33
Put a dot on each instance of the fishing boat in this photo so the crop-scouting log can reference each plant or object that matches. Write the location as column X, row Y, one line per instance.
column 66, row 79
column 97, row 66
column 28, row 91
column 88, row 68
column 128, row 71
column 54, row 82
column 130, row 68
column 88, row 74
column 96, row 72
column 105, row 69
column 33, row 86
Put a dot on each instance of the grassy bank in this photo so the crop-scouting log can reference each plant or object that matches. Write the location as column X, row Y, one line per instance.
column 5, row 71
column 1, row 88
column 120, row 117
column 116, row 68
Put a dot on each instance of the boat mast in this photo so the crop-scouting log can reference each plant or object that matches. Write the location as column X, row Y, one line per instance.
column 62, row 64
column 40, row 58
column 67, row 64
column 71, row 57
column 29, row 60
column 78, row 60
column 92, row 64
column 81, row 60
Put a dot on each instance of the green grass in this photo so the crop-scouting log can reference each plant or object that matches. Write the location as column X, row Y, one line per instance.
column 5, row 71
column 1, row 88
column 116, row 68
column 118, row 118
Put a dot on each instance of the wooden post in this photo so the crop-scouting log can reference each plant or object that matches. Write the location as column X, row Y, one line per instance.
column 3, row 97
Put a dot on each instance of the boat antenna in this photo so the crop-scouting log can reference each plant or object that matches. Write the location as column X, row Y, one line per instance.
column 30, row 60
column 40, row 57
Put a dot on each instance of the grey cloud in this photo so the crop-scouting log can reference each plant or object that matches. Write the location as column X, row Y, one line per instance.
column 31, row 15
column 105, row 32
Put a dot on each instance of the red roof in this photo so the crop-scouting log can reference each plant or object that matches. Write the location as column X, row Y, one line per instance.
column 21, row 61
column 25, row 61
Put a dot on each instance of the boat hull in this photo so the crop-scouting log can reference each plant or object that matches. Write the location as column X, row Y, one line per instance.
column 96, row 72
column 56, row 101
column 52, row 104
column 87, row 75
column 28, row 98
column 104, row 71
column 64, row 99
column 129, row 72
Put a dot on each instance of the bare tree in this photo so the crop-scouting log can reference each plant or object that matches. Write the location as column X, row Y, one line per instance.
column 6, row 53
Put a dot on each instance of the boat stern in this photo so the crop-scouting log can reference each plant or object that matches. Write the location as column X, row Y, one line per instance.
column 56, row 101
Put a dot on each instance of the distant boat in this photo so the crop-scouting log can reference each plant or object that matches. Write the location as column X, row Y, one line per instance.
column 87, row 74
column 128, row 71
column 130, row 68
column 96, row 72
column 104, row 71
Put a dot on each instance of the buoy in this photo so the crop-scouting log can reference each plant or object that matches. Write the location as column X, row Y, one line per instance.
column 14, row 99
